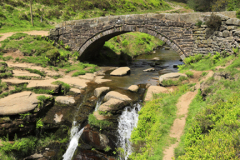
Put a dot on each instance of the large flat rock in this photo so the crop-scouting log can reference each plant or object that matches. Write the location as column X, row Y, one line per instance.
column 113, row 105
column 15, row 81
column 154, row 90
column 65, row 99
column 116, row 95
column 100, row 90
column 44, row 84
column 25, row 73
column 170, row 76
column 99, row 80
column 19, row 103
column 120, row 71
column 75, row 82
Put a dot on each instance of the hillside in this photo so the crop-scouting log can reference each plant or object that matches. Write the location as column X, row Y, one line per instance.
column 15, row 14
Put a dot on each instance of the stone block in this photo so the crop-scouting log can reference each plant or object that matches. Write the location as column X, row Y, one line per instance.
column 231, row 27
column 225, row 33
column 233, row 21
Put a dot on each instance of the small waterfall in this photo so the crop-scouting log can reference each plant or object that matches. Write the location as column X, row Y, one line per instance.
column 73, row 143
column 98, row 104
column 127, row 121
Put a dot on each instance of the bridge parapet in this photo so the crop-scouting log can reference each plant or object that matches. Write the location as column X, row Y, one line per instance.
column 177, row 30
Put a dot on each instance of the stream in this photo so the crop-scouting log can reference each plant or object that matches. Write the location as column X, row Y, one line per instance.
column 128, row 118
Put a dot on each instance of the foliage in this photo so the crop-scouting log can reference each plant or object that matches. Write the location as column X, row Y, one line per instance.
column 170, row 82
column 107, row 149
column 193, row 59
column 238, row 13
column 17, row 17
column 102, row 124
column 53, row 56
column 189, row 74
column 66, row 87
column 20, row 148
column 214, row 22
column 36, row 71
column 199, row 23
column 214, row 132
column 39, row 123
column 155, row 120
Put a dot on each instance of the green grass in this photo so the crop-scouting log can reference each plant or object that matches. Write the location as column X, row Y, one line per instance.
column 167, row 83
column 36, row 71
column 189, row 74
column 15, row 15
column 155, row 119
column 133, row 44
column 102, row 124
column 66, row 87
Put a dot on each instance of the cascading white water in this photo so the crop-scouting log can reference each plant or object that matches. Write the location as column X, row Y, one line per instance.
column 73, row 143
column 98, row 103
column 127, row 121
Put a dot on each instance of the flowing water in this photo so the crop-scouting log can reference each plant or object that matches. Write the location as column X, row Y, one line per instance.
column 168, row 58
column 129, row 117
column 127, row 121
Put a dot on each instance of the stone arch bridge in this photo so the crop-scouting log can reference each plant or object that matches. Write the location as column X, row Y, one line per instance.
column 177, row 30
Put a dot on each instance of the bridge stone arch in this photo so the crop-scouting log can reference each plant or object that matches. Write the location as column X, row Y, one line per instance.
column 89, row 35
column 177, row 30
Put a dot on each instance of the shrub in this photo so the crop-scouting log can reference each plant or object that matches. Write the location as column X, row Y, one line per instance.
column 214, row 22
column 53, row 56
column 189, row 74
column 238, row 13
column 199, row 23
column 8, row 8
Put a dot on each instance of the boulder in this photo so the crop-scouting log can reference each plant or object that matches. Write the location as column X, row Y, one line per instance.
column 99, row 80
column 223, row 17
column 75, row 90
column 170, row 76
column 87, row 76
column 19, row 103
column 116, row 95
column 75, row 81
column 133, row 88
column 99, row 91
column 233, row 21
column 225, row 33
column 120, row 71
column 65, row 99
column 25, row 73
column 113, row 105
column 149, row 70
column 154, row 90
column 96, row 139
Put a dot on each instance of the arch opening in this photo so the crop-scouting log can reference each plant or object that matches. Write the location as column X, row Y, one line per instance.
column 92, row 47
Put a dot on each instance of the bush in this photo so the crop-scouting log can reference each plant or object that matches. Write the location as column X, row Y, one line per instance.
column 199, row 23
column 238, row 13
column 189, row 74
column 53, row 56
column 214, row 22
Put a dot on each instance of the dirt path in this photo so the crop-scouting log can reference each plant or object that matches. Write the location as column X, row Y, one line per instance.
column 175, row 8
column 179, row 123
column 6, row 35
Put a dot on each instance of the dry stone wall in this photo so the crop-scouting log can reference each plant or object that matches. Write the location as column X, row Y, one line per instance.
column 177, row 30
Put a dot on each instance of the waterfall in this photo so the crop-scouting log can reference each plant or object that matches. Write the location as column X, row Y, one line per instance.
column 127, row 121
column 99, row 101
column 73, row 143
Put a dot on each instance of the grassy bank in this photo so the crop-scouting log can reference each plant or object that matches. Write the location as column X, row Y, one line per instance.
column 15, row 14
column 125, row 47
column 212, row 128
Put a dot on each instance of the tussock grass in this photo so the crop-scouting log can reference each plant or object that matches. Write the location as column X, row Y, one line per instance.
column 155, row 120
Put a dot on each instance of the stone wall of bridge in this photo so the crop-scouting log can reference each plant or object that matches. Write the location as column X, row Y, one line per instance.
column 177, row 30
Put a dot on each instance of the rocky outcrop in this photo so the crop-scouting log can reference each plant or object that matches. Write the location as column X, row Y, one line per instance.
column 75, row 90
column 75, row 82
column 154, row 90
column 101, row 90
column 120, row 71
column 171, row 76
column 116, row 95
column 65, row 99
column 44, row 84
column 133, row 88
column 113, row 105
column 97, row 140
column 19, row 103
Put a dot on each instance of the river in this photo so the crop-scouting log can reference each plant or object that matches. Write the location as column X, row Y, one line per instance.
column 129, row 116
